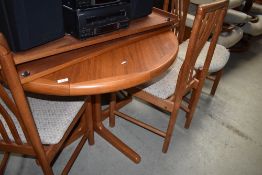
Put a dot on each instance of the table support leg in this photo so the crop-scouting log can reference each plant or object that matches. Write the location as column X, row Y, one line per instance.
column 107, row 135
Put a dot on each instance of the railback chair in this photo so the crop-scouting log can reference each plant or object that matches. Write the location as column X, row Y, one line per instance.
column 36, row 127
column 168, row 91
column 227, row 38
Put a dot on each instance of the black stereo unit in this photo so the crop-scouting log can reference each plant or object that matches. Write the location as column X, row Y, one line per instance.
column 29, row 23
column 158, row 4
column 80, row 4
column 141, row 8
column 85, row 23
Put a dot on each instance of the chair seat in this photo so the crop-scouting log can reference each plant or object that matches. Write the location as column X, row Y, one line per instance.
column 190, row 20
column 232, row 3
column 235, row 3
column 229, row 39
column 52, row 116
column 254, row 29
column 219, row 60
column 164, row 86
column 199, row 2
column 256, row 8
column 236, row 17
column 232, row 17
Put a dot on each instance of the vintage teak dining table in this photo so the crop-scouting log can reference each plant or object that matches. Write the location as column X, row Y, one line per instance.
column 125, row 59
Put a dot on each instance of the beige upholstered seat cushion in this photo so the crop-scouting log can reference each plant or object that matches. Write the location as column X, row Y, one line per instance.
column 219, row 60
column 164, row 86
column 198, row 2
column 52, row 116
column 232, row 16
column 256, row 8
column 236, row 17
column 232, row 3
column 235, row 3
column 190, row 20
column 229, row 39
column 254, row 29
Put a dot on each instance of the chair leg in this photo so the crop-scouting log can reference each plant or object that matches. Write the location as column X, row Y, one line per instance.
column 218, row 76
column 45, row 165
column 4, row 162
column 192, row 106
column 112, row 107
column 89, row 119
column 74, row 155
column 170, row 128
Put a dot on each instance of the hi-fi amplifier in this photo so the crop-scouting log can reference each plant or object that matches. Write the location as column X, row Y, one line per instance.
column 80, row 4
column 85, row 23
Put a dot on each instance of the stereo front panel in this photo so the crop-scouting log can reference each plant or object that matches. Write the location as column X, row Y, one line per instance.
column 84, row 23
column 82, row 4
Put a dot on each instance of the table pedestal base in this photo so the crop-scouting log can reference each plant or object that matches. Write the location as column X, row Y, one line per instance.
column 107, row 135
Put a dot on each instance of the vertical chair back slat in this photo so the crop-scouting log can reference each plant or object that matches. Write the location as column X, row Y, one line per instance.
column 179, row 8
column 10, row 104
column 165, row 5
column 10, row 125
column 6, row 99
column 4, row 133
column 213, row 43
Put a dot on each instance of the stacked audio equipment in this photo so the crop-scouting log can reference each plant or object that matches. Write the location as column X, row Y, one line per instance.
column 29, row 23
column 87, row 18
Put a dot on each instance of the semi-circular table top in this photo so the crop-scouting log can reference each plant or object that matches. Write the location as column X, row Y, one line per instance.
column 122, row 67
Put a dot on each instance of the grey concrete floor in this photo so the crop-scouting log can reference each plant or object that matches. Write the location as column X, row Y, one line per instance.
column 224, row 138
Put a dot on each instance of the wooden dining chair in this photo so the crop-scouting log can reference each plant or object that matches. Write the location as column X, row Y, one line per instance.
column 167, row 91
column 38, row 127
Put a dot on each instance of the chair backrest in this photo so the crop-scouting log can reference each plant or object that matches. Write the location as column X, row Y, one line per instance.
column 207, row 26
column 180, row 9
column 14, row 106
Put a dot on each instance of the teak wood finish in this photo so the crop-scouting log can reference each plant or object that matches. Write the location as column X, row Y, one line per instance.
column 101, row 65
column 209, row 19
column 126, row 65
column 81, row 126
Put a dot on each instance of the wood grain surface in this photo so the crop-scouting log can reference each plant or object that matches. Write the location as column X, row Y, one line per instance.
column 122, row 67
column 154, row 21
